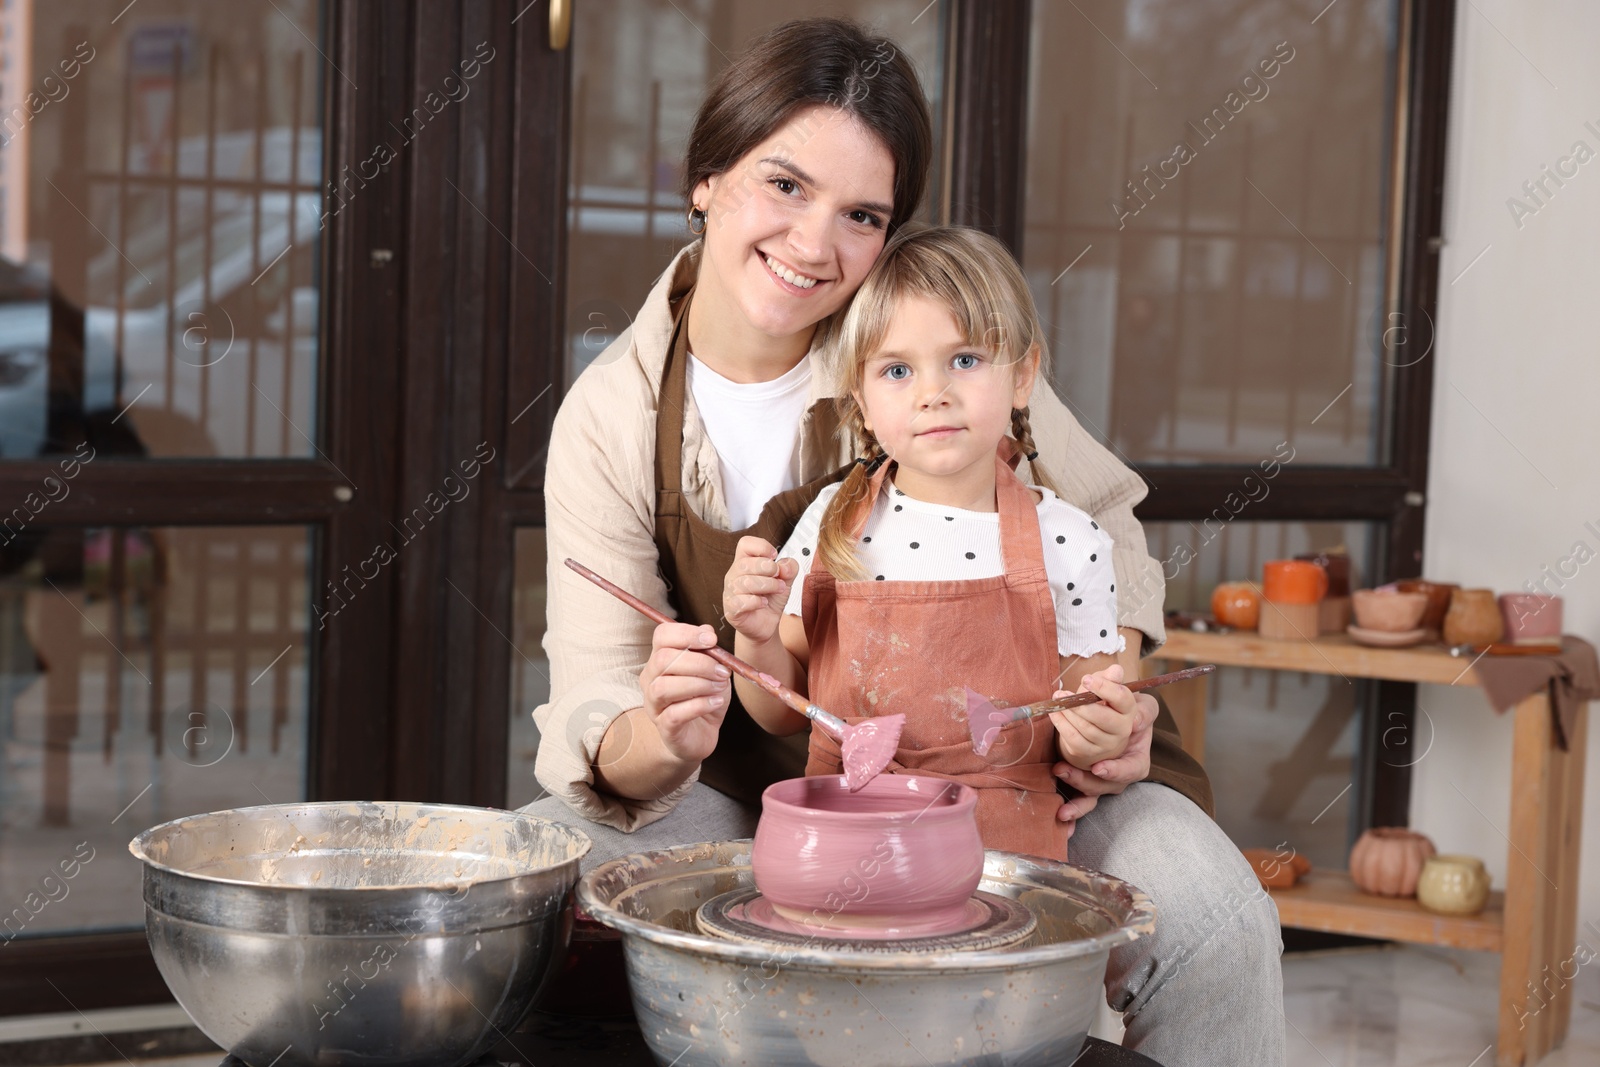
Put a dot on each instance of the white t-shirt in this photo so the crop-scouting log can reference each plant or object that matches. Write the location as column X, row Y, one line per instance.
column 755, row 428
column 910, row 540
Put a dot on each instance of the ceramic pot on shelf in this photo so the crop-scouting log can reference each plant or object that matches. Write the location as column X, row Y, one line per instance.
column 1237, row 605
column 1438, row 594
column 1333, row 612
column 1453, row 885
column 1388, row 860
column 1291, row 598
column 1473, row 618
column 1531, row 618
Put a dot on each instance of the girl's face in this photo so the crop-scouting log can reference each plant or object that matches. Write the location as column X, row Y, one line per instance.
column 937, row 404
column 794, row 226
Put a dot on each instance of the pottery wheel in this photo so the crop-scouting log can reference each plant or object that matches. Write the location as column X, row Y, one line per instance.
column 993, row 921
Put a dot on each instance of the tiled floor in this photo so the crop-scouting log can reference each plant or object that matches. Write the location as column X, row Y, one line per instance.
column 1413, row 1007
column 1380, row 1007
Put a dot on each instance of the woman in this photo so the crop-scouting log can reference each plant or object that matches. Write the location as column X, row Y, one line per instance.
column 705, row 422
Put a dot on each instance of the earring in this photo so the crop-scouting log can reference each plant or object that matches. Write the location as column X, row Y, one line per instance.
column 697, row 216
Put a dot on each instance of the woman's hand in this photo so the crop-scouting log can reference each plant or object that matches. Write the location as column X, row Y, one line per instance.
column 685, row 690
column 1111, row 776
column 1091, row 733
column 756, row 589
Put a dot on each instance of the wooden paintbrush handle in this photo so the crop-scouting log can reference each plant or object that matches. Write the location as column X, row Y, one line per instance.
column 1045, row 707
column 716, row 652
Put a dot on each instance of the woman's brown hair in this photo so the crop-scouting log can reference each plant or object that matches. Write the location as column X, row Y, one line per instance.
column 827, row 61
column 976, row 278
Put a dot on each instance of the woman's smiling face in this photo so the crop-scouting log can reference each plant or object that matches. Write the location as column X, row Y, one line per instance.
column 795, row 225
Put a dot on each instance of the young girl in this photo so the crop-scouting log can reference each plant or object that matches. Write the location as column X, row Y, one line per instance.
column 932, row 568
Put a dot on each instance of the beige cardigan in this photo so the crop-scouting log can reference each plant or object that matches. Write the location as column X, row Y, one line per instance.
column 600, row 501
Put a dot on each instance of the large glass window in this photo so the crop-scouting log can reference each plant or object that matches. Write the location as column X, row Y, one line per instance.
column 160, row 213
column 1206, row 210
column 1280, row 747
column 160, row 218
column 145, row 674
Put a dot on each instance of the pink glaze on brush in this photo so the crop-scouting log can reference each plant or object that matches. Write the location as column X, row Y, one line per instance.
column 985, row 721
column 867, row 749
column 902, row 853
column 986, row 727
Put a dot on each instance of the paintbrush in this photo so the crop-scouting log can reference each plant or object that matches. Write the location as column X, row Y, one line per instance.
column 865, row 749
column 986, row 721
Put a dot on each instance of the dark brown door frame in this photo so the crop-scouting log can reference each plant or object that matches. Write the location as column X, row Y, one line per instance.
column 989, row 108
column 487, row 226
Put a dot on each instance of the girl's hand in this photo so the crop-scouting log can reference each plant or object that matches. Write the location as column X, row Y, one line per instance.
column 756, row 589
column 1112, row 776
column 685, row 690
column 1091, row 733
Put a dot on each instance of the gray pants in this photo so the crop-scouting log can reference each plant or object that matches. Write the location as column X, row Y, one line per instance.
column 1205, row 990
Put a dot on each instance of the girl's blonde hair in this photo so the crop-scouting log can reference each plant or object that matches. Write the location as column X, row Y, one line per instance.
column 975, row 277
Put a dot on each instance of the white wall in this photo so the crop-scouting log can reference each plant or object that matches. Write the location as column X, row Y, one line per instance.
column 1515, row 452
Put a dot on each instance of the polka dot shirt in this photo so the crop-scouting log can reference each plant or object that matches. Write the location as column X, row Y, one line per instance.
column 910, row 540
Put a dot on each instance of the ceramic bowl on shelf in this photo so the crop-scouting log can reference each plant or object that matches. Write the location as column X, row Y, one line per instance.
column 1386, row 638
column 1388, row 610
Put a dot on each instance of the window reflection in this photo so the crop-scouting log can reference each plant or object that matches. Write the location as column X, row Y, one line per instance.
column 160, row 202
column 1279, row 745
column 145, row 674
column 1205, row 213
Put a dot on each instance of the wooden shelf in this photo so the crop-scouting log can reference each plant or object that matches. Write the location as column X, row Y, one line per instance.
column 1327, row 900
column 1537, row 914
column 1330, row 654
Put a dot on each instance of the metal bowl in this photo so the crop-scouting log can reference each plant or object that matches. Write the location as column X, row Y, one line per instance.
column 389, row 935
column 702, row 1000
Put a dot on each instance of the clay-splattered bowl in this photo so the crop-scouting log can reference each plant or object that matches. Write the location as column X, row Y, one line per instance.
column 902, row 851
column 382, row 934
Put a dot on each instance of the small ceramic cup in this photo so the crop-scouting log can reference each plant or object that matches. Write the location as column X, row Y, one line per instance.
column 1337, row 566
column 1293, row 581
column 1453, row 885
column 1291, row 595
column 902, row 851
column 1531, row 618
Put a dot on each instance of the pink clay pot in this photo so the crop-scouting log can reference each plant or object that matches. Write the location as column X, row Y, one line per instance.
column 903, row 851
